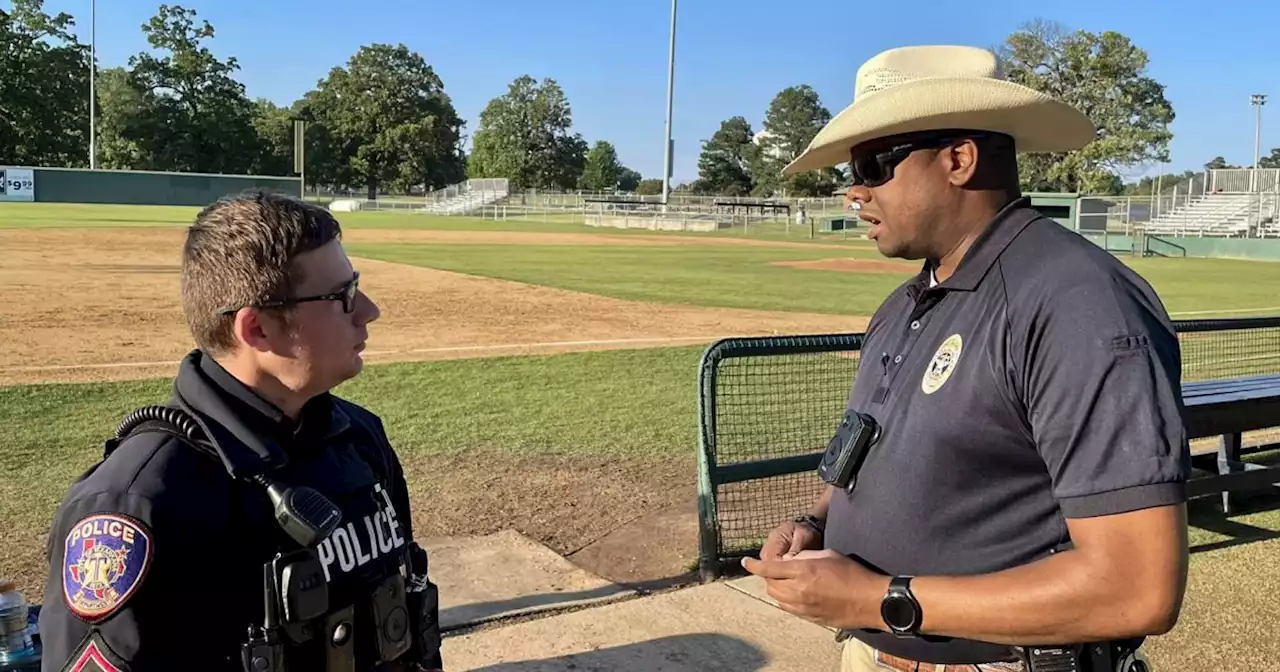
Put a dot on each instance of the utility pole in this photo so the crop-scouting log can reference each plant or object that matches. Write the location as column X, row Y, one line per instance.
column 671, row 73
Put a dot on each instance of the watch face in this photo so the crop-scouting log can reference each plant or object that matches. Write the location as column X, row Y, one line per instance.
column 898, row 612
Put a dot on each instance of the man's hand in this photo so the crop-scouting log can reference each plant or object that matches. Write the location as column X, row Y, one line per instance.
column 824, row 587
column 788, row 539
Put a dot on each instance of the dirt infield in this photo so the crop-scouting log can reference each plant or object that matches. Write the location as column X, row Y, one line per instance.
column 103, row 305
column 851, row 265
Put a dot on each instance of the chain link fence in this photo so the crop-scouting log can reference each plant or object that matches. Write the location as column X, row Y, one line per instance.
column 824, row 219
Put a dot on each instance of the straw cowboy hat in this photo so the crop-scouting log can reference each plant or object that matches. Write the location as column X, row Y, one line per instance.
column 928, row 88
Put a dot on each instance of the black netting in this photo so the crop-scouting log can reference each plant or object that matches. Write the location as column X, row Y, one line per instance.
column 1232, row 348
column 1217, row 349
column 770, row 405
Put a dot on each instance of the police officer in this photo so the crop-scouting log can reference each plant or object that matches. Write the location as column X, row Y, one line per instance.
column 1025, row 493
column 195, row 544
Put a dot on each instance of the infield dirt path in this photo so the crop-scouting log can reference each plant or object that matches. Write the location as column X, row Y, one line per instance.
column 103, row 305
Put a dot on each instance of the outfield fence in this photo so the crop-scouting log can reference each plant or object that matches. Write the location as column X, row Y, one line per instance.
column 724, row 219
column 43, row 184
column 767, row 407
column 491, row 199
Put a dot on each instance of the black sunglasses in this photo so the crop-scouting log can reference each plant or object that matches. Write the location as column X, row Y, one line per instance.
column 347, row 295
column 876, row 168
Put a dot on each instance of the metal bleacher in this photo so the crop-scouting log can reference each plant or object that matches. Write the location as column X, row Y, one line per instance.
column 1234, row 203
column 466, row 197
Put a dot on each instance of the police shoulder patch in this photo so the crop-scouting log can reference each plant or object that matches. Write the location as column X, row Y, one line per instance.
column 105, row 558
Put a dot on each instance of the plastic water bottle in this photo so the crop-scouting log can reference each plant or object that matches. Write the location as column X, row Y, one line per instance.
column 16, row 645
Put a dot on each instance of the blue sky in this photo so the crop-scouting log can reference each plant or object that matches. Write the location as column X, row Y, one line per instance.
column 732, row 56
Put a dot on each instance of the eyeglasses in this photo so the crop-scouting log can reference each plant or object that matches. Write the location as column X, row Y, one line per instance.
column 875, row 169
column 347, row 295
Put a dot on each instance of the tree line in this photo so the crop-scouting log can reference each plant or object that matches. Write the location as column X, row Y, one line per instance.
column 1102, row 74
column 382, row 121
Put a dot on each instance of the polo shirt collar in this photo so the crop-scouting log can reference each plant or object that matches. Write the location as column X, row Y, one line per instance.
column 986, row 248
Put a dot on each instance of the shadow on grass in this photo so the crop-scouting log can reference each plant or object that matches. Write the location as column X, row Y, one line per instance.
column 1261, row 508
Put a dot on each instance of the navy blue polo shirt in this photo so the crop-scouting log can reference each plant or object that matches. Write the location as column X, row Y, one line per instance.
column 1040, row 382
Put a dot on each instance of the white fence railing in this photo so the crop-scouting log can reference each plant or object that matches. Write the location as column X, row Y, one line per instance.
column 1243, row 180
column 1223, row 214
column 1232, row 202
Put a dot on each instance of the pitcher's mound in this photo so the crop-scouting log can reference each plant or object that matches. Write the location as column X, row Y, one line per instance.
column 850, row 265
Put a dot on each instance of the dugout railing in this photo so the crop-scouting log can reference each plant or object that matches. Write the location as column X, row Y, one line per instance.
column 767, row 406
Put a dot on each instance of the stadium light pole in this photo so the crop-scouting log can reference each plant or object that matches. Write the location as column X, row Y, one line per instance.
column 93, row 98
column 1257, row 100
column 671, row 72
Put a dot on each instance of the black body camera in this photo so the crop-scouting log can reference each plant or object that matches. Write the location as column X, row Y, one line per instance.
column 848, row 450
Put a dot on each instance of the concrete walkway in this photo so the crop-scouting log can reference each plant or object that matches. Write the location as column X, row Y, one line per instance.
column 718, row 626
column 506, row 574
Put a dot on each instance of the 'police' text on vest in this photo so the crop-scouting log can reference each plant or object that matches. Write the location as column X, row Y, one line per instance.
column 355, row 544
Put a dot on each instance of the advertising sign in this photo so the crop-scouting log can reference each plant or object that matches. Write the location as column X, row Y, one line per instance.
column 17, row 184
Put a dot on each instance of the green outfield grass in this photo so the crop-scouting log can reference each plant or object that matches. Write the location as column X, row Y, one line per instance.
column 621, row 402
column 742, row 277
column 710, row 276
column 700, row 275
column 79, row 216
column 74, row 215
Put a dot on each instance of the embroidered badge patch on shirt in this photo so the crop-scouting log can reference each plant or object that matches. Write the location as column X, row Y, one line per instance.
column 943, row 363
column 105, row 559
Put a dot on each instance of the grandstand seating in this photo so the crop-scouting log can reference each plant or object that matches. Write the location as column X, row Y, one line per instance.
column 1228, row 215
column 466, row 197
column 463, row 203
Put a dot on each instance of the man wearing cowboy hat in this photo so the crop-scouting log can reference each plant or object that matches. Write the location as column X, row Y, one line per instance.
column 1026, row 489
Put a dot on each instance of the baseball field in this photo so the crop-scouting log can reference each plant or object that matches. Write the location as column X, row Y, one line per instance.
column 538, row 376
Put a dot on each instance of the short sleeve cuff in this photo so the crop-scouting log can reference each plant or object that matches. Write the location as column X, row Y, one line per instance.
column 1124, row 500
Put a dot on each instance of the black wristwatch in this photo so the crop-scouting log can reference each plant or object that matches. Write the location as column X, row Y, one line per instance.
column 812, row 522
column 899, row 608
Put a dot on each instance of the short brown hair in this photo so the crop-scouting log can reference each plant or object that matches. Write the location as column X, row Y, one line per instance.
column 241, row 251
